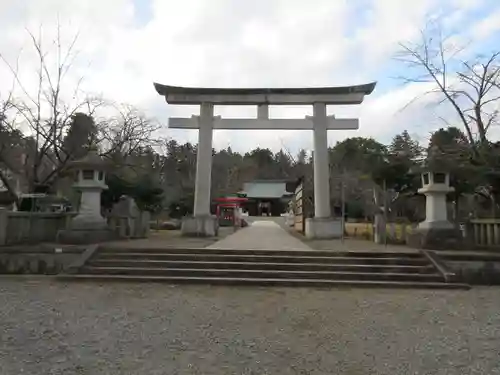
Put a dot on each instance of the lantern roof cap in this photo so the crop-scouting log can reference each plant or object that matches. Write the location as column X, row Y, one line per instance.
column 433, row 166
column 90, row 161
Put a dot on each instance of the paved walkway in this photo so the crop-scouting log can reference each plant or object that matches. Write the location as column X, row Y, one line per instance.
column 260, row 235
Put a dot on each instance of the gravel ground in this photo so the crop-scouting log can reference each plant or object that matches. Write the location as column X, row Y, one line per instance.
column 171, row 238
column 50, row 327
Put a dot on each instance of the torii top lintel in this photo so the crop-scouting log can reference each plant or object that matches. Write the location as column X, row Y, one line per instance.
column 255, row 96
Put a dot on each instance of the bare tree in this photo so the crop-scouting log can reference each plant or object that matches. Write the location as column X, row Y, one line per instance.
column 471, row 87
column 10, row 139
column 43, row 110
column 127, row 132
column 47, row 103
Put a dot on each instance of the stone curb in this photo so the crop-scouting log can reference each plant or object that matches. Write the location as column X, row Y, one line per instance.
column 432, row 256
column 80, row 262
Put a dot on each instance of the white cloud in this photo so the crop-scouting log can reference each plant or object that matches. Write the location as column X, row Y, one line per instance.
column 487, row 26
column 390, row 21
column 237, row 43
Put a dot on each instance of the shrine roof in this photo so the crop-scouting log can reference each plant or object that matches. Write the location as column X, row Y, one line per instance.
column 241, row 96
column 265, row 189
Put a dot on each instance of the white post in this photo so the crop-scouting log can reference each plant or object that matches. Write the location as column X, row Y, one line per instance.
column 386, row 209
column 343, row 205
column 204, row 161
column 263, row 112
column 321, row 168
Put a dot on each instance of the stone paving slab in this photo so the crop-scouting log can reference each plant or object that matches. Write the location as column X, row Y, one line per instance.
column 261, row 235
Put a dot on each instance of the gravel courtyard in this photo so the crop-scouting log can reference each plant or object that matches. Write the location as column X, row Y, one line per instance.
column 50, row 327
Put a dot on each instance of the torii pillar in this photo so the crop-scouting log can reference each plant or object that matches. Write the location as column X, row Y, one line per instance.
column 204, row 161
column 323, row 225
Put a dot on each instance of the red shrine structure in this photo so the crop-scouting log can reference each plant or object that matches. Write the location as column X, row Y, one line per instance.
column 228, row 211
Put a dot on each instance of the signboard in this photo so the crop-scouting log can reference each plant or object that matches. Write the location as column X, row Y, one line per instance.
column 299, row 208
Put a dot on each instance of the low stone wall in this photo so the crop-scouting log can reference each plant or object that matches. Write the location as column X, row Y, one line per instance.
column 478, row 234
column 483, row 233
column 397, row 233
column 476, row 272
column 42, row 227
column 44, row 260
column 31, row 227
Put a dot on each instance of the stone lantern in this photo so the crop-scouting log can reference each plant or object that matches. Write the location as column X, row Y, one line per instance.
column 435, row 187
column 88, row 226
column 436, row 231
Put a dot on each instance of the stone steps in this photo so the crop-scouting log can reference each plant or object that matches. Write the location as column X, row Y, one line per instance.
column 263, row 273
column 243, row 265
column 271, row 258
column 319, row 283
column 263, row 267
column 292, row 253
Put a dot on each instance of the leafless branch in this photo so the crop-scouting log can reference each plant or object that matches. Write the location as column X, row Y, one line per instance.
column 127, row 132
column 468, row 89
column 45, row 109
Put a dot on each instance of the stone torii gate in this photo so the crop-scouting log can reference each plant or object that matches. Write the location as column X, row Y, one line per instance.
column 323, row 225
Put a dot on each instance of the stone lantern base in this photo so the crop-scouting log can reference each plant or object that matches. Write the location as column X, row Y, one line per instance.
column 436, row 236
column 200, row 226
column 323, row 228
column 83, row 231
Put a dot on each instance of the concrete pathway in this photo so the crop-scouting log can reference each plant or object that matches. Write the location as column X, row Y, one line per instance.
column 260, row 235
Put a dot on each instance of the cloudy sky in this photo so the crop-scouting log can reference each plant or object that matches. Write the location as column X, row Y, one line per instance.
column 126, row 45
